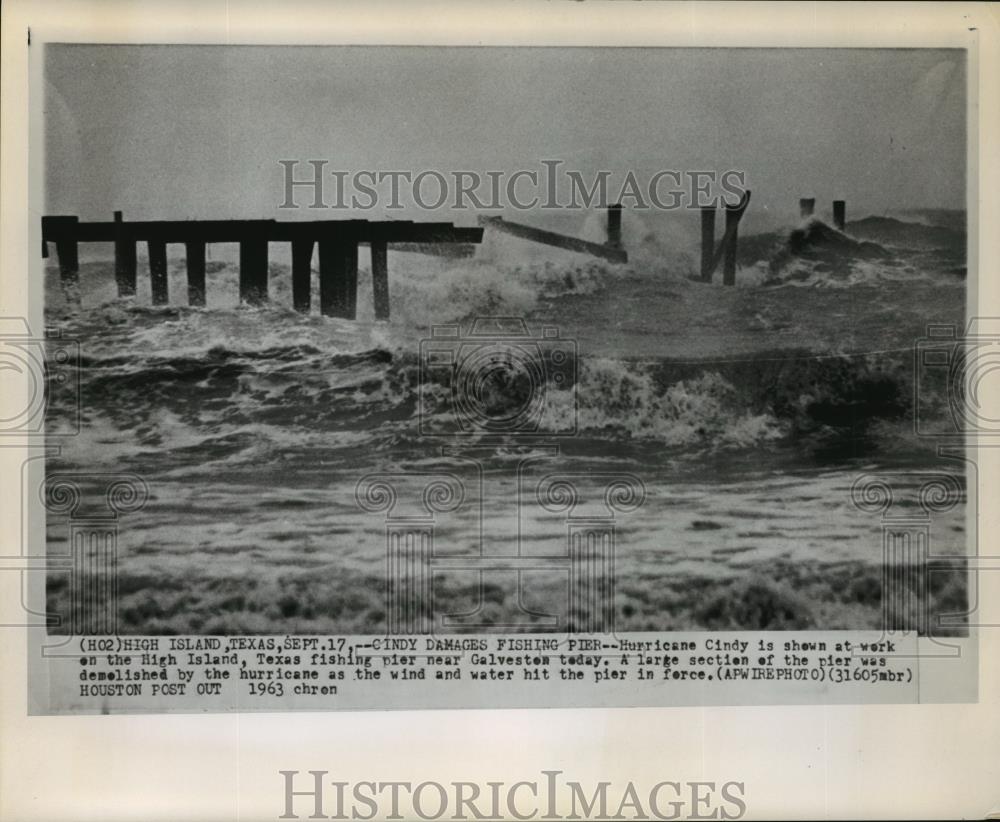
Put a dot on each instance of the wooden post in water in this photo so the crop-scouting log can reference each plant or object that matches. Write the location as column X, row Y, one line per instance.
column 158, row 271
column 338, row 253
column 338, row 277
column 302, row 252
column 66, row 247
column 125, row 267
column 733, row 215
column 253, row 270
column 839, row 214
column 707, row 242
column 69, row 261
column 539, row 235
column 380, row 278
column 195, row 251
column 807, row 205
column 615, row 226
column 727, row 248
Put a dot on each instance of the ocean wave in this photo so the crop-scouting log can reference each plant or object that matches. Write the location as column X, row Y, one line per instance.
column 624, row 399
column 258, row 380
column 867, row 252
column 234, row 407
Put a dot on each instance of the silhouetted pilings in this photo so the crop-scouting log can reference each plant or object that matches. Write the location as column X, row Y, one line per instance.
column 337, row 241
column 615, row 226
column 726, row 251
column 807, row 207
column 302, row 252
column 253, row 270
column 729, row 243
column 380, row 279
column 839, row 214
column 157, row 250
column 194, row 251
column 125, row 263
column 61, row 232
column 707, row 242
column 338, row 277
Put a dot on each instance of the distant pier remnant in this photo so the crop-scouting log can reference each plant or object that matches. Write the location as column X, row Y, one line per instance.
column 726, row 252
column 337, row 240
column 839, row 214
column 807, row 205
column 615, row 226
column 733, row 215
column 380, row 279
column 611, row 250
column 707, row 242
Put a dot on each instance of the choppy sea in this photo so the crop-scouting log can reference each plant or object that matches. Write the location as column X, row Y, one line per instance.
column 743, row 415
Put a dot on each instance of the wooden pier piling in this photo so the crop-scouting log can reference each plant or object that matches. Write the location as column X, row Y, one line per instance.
column 195, row 253
column 253, row 270
column 615, row 226
column 158, row 271
column 338, row 277
column 338, row 241
column 839, row 214
column 733, row 215
column 726, row 252
column 125, row 262
column 707, row 242
column 380, row 278
column 807, row 205
column 63, row 231
column 302, row 253
column 69, row 262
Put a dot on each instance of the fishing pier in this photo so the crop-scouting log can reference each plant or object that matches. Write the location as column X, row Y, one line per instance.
column 336, row 242
column 725, row 252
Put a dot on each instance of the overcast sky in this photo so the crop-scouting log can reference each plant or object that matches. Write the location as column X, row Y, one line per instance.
column 196, row 132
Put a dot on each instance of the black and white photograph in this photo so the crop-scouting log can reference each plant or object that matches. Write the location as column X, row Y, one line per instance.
column 417, row 409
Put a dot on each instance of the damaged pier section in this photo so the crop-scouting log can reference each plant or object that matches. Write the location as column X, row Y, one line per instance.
column 335, row 242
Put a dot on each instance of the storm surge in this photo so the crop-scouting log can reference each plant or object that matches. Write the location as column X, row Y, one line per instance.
column 870, row 250
column 747, row 412
column 677, row 362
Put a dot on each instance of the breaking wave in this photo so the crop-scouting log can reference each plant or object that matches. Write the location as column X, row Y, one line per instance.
column 871, row 250
column 235, row 382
